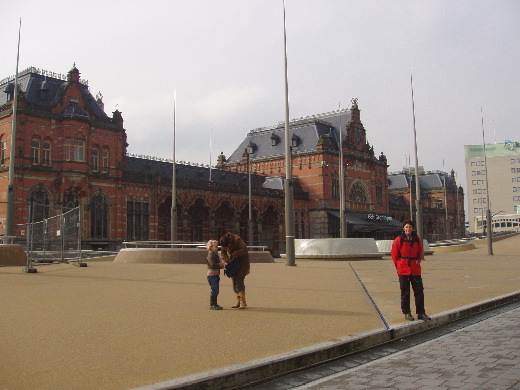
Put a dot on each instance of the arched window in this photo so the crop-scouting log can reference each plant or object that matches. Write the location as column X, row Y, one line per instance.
column 75, row 148
column 137, row 219
column 99, row 216
column 104, row 160
column 35, row 151
column 46, row 153
column 358, row 193
column 71, row 216
column 95, row 158
column 39, row 204
column 3, row 150
column 70, row 201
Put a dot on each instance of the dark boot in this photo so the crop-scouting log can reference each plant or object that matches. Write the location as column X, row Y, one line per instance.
column 213, row 303
column 217, row 306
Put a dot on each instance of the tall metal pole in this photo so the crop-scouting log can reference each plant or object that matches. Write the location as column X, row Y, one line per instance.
column 488, row 211
column 418, row 207
column 250, row 211
column 445, row 205
column 410, row 176
column 288, row 185
column 342, row 227
column 174, row 177
column 9, row 228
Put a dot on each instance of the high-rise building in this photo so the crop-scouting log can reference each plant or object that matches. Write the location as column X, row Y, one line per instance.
column 493, row 178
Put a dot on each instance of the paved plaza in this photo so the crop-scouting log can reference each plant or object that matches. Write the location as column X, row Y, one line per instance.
column 126, row 326
column 484, row 354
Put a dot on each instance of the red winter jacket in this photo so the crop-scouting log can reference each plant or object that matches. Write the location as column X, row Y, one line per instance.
column 406, row 253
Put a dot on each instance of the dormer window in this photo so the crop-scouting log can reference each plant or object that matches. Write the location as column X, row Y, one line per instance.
column 250, row 148
column 275, row 140
column 44, row 89
column 9, row 90
column 295, row 141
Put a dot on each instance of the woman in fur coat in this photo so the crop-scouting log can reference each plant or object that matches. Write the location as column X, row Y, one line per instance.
column 233, row 247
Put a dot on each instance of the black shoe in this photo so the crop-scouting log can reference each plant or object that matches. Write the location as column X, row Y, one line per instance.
column 423, row 317
column 216, row 307
column 409, row 317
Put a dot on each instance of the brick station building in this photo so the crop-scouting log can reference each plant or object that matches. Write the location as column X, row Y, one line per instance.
column 70, row 153
column 442, row 202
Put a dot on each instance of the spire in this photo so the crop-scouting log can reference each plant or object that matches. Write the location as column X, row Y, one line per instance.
column 73, row 74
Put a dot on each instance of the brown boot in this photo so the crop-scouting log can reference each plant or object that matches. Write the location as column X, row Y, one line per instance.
column 243, row 303
column 237, row 304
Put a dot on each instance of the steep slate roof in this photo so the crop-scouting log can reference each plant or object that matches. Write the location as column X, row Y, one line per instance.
column 308, row 130
column 137, row 167
column 31, row 81
column 429, row 180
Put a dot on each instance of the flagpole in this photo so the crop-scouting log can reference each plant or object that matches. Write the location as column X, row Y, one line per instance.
column 174, row 176
column 210, row 146
column 9, row 228
column 418, row 208
column 288, row 185
column 445, row 205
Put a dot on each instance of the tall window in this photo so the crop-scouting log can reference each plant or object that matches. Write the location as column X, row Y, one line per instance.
column 39, row 210
column 99, row 217
column 358, row 193
column 379, row 195
column 75, row 150
column 3, row 151
column 35, row 151
column 79, row 150
column 46, row 156
column 137, row 220
column 335, row 189
column 95, row 159
column 39, row 205
column 104, row 160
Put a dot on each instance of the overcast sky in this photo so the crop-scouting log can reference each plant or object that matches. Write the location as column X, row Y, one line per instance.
column 225, row 61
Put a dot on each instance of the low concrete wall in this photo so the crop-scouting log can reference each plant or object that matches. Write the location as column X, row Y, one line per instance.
column 336, row 248
column 455, row 248
column 385, row 246
column 178, row 256
column 11, row 254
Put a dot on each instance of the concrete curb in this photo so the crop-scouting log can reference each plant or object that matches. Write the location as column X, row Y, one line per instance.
column 253, row 371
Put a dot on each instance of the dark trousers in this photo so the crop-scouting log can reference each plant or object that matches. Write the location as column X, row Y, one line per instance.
column 418, row 291
column 238, row 283
column 214, row 281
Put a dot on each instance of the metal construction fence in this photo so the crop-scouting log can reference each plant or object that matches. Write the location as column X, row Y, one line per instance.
column 53, row 239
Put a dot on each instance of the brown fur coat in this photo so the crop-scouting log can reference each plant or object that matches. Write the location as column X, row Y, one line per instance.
column 233, row 247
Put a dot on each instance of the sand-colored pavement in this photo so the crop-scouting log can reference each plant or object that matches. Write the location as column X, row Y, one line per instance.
column 122, row 326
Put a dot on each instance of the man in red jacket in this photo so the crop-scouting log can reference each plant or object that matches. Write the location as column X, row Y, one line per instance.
column 407, row 254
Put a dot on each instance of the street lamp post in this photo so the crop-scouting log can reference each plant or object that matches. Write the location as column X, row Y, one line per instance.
column 488, row 211
column 288, row 185
column 9, row 228
column 418, row 207
column 174, row 177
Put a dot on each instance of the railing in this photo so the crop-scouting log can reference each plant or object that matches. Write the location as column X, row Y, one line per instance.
column 7, row 240
column 180, row 244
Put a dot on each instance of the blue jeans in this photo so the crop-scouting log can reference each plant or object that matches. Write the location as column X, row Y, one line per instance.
column 214, row 281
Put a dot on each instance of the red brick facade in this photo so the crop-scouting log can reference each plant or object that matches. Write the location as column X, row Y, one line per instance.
column 70, row 153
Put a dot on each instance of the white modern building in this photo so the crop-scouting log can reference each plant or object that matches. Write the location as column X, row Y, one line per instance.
column 498, row 182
